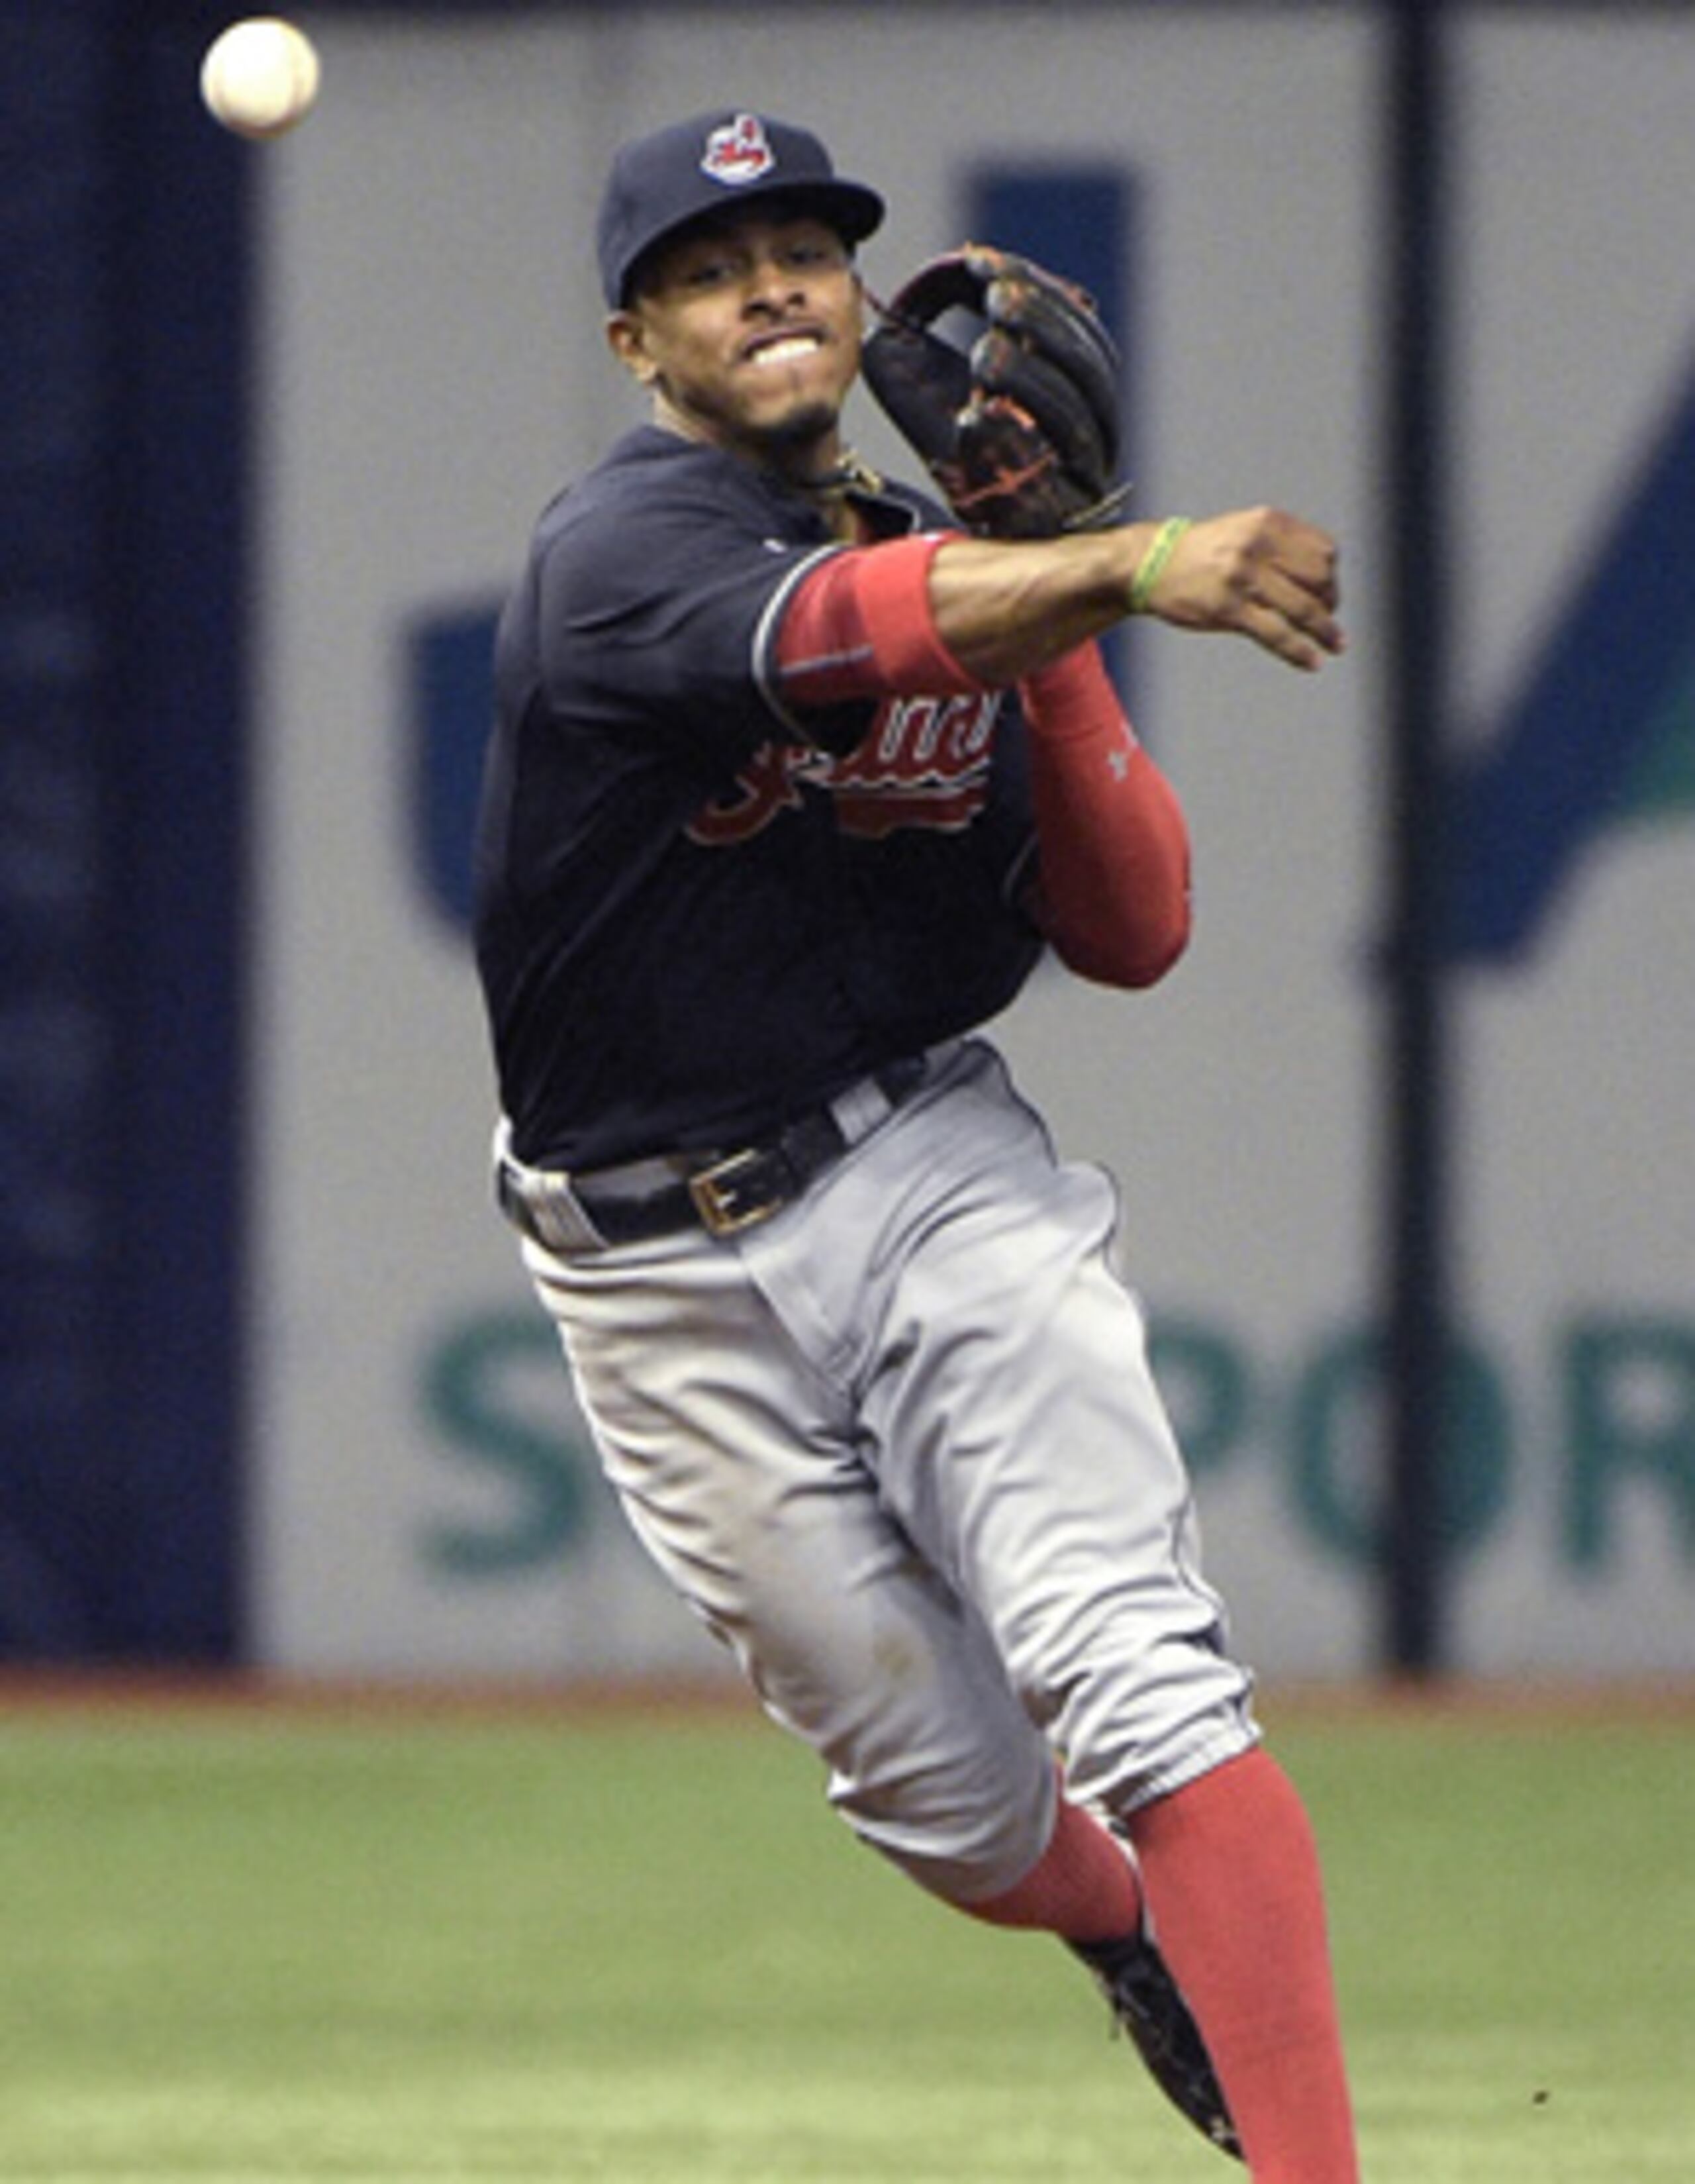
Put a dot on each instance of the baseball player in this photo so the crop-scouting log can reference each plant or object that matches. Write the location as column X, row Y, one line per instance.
column 796, row 775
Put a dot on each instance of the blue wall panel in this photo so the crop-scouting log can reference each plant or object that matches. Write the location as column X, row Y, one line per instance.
column 121, row 839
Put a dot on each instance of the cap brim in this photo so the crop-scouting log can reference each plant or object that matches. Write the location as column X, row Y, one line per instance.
column 851, row 208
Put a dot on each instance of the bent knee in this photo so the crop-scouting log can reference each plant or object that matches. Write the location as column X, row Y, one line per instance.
column 964, row 1842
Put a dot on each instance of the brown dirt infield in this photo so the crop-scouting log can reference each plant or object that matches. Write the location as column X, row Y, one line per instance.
column 37, row 1691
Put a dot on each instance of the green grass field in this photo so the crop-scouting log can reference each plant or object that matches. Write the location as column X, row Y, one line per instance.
column 416, row 1944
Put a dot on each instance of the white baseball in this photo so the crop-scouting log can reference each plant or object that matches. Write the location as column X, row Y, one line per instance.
column 260, row 77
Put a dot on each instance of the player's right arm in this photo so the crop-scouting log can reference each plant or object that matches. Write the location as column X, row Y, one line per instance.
column 1005, row 609
column 960, row 613
column 956, row 613
column 1111, row 887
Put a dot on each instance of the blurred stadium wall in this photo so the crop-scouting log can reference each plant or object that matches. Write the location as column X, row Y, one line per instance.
column 275, row 424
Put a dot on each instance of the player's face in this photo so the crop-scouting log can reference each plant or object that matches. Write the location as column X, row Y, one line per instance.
column 747, row 331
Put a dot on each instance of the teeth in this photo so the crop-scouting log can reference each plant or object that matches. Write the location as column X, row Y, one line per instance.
column 787, row 350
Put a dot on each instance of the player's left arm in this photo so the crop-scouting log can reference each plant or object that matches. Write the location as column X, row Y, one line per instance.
column 1113, row 892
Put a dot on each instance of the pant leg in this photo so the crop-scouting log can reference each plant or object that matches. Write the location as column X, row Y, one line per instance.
column 998, row 1373
column 741, row 1468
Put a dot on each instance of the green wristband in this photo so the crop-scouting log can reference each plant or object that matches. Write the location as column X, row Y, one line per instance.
column 1152, row 566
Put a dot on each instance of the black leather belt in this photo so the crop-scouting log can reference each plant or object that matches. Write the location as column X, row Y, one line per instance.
column 721, row 1192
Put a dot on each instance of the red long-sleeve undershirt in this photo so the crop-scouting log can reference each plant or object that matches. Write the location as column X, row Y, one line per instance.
column 1113, row 889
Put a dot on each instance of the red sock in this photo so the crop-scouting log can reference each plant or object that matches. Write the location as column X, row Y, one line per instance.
column 1083, row 1887
column 1232, row 1878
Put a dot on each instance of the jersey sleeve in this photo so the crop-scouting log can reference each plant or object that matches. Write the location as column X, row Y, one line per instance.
column 857, row 624
column 648, row 621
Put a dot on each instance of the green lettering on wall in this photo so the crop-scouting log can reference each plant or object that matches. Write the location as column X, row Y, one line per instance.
column 1336, row 1434
column 469, row 1391
column 1629, row 1412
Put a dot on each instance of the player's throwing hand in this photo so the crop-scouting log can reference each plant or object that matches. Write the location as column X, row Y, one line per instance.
column 1258, row 573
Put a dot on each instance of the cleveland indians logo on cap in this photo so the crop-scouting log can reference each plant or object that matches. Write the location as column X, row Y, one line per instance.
column 738, row 152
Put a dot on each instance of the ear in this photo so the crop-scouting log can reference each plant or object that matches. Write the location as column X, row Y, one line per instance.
column 626, row 337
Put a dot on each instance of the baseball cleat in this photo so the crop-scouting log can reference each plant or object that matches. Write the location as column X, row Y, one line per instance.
column 1147, row 2004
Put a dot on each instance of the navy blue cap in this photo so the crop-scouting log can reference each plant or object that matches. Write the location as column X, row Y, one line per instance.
column 660, row 183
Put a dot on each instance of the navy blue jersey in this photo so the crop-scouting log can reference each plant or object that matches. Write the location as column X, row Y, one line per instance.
column 698, row 915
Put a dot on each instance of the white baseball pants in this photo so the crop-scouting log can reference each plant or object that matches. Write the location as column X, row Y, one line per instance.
column 900, row 1448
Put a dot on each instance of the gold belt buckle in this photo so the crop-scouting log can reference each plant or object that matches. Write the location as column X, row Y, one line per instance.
column 718, row 1193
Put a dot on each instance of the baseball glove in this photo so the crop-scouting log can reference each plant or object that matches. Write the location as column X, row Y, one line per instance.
column 1021, row 430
